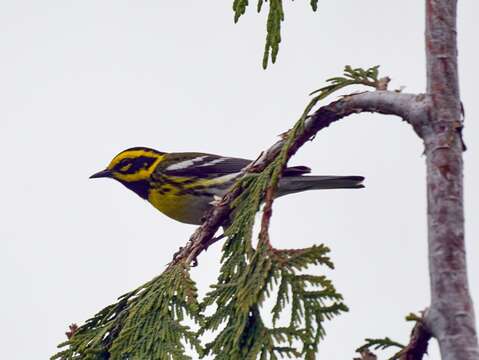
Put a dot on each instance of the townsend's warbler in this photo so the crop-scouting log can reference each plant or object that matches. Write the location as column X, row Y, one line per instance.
column 184, row 185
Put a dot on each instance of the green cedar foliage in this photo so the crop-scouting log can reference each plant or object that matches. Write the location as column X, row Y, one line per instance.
column 249, row 275
column 149, row 322
column 144, row 324
column 350, row 76
column 382, row 344
column 273, row 24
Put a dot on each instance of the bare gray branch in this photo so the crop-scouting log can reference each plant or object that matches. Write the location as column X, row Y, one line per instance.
column 451, row 315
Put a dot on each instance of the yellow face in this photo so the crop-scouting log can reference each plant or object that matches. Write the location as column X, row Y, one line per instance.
column 132, row 165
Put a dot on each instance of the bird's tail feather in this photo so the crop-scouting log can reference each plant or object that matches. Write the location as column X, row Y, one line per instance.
column 293, row 184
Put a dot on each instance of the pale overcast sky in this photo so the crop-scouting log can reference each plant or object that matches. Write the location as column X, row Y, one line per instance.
column 82, row 80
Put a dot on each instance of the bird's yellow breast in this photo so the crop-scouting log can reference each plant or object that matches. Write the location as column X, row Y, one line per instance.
column 185, row 207
column 184, row 198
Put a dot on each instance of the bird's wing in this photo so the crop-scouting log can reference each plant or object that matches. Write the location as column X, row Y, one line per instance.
column 200, row 165
column 209, row 165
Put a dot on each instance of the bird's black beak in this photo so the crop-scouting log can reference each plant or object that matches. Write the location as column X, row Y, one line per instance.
column 101, row 174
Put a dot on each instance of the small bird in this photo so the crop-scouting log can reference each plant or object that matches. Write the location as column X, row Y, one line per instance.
column 184, row 185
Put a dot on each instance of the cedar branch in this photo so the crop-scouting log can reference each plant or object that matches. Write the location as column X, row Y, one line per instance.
column 412, row 108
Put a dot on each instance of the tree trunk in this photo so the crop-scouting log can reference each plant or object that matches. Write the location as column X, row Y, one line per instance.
column 451, row 315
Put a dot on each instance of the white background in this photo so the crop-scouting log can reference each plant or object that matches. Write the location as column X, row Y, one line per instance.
column 82, row 80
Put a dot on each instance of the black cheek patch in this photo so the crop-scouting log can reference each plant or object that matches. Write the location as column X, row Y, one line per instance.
column 137, row 164
column 146, row 161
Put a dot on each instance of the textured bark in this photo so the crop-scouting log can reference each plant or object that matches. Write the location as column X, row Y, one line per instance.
column 417, row 347
column 451, row 315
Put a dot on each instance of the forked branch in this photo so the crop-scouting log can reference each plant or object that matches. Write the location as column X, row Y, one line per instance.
column 414, row 350
column 417, row 347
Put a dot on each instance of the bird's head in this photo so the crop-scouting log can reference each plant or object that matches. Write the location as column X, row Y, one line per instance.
column 133, row 168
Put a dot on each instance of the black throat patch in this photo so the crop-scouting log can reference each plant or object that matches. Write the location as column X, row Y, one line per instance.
column 140, row 187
